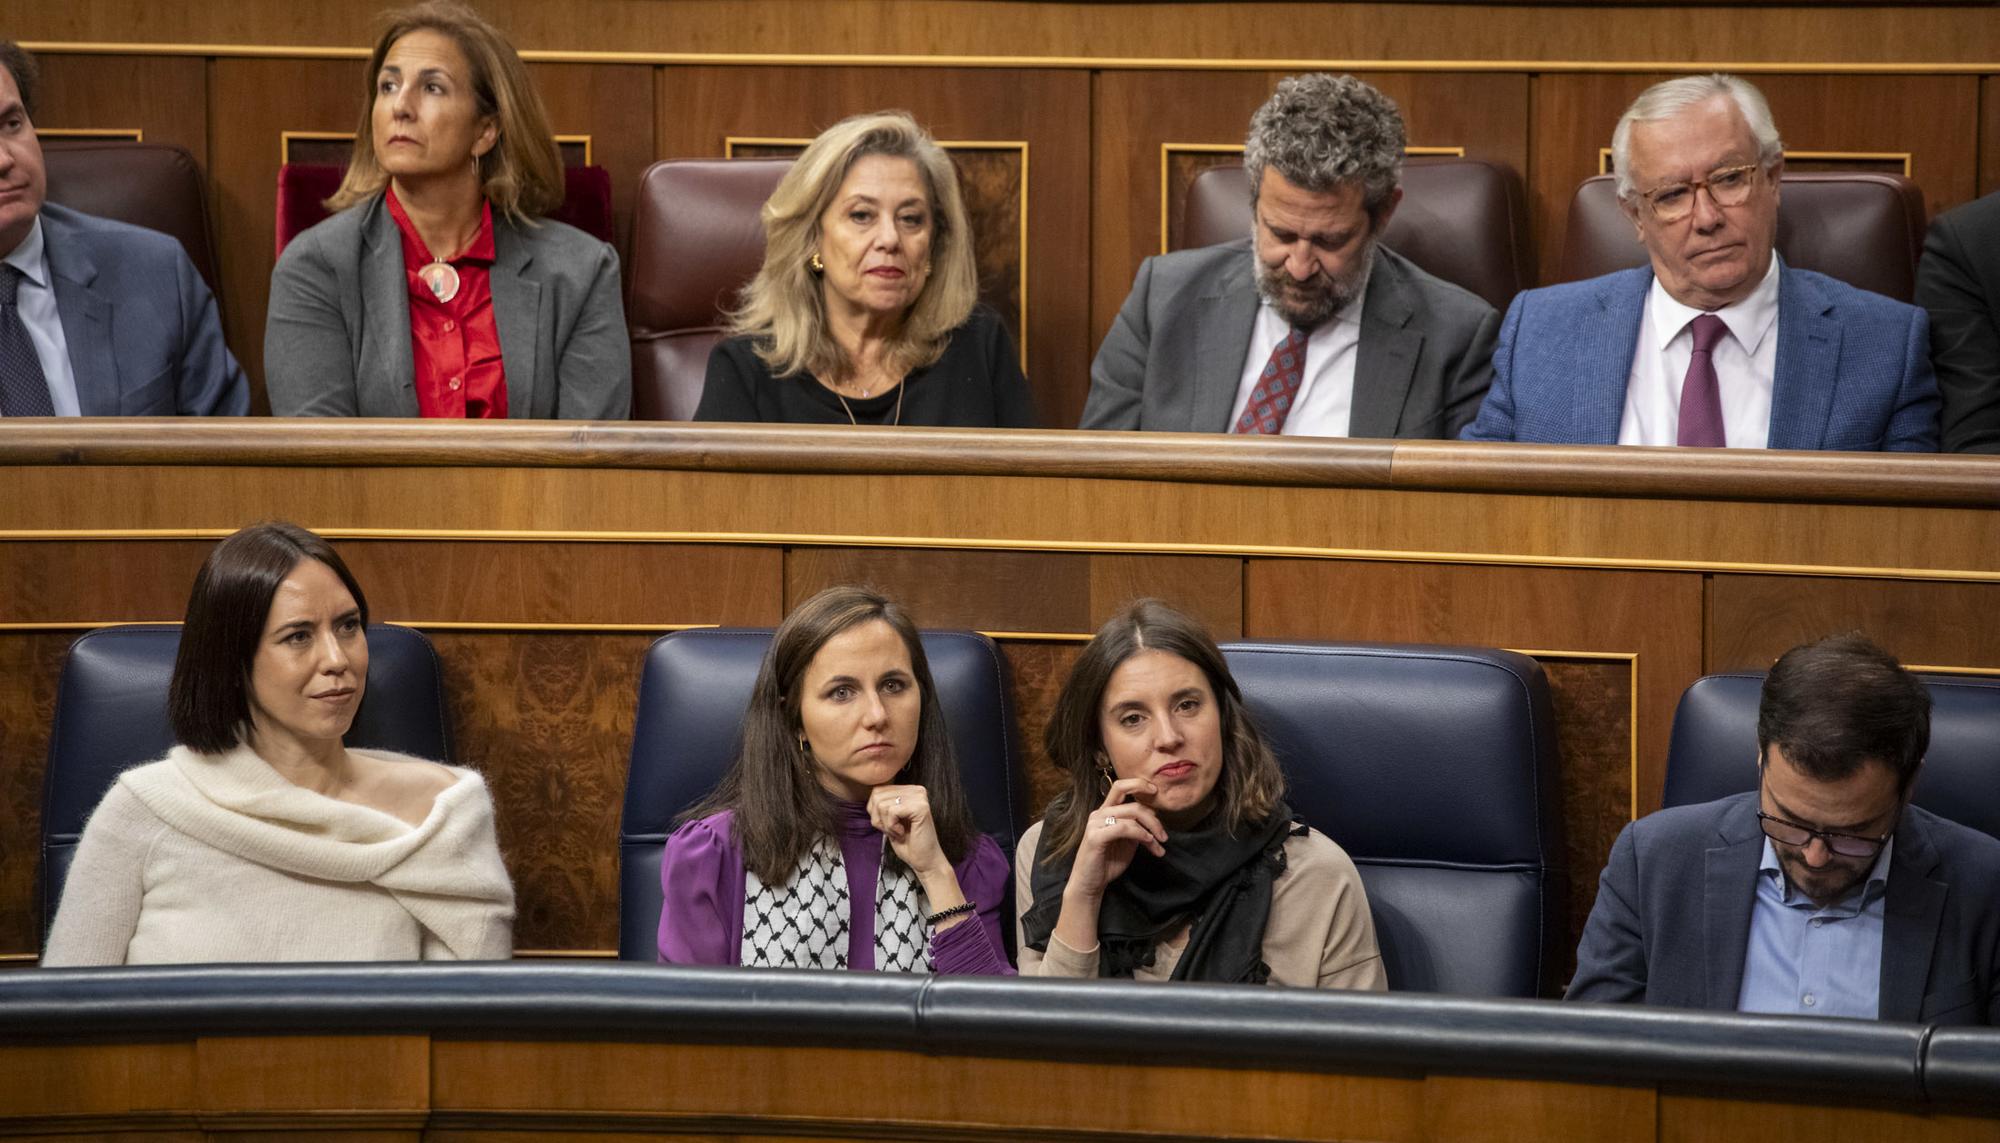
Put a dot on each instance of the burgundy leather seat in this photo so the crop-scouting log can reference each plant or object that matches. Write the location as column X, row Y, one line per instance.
column 154, row 185
column 304, row 187
column 1464, row 220
column 1864, row 228
column 697, row 238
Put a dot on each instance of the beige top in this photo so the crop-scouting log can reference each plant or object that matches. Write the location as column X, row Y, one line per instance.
column 1319, row 935
column 202, row 857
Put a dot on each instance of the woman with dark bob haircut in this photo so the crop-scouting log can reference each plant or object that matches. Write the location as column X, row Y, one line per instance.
column 1170, row 854
column 840, row 837
column 261, row 837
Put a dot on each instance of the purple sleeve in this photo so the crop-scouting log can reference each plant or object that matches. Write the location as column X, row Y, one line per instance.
column 974, row 948
column 701, row 885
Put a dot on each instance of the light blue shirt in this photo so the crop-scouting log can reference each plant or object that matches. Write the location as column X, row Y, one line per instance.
column 36, row 301
column 1807, row 961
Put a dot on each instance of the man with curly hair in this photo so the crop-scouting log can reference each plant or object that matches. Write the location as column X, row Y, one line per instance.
column 1309, row 326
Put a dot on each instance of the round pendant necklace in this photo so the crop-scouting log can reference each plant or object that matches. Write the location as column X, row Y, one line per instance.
column 441, row 278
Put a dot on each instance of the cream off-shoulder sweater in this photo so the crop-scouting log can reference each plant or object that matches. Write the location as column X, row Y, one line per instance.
column 216, row 857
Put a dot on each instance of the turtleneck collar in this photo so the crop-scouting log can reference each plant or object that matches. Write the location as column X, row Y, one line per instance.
column 853, row 818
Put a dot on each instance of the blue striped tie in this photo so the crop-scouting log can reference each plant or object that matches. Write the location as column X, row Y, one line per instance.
column 24, row 391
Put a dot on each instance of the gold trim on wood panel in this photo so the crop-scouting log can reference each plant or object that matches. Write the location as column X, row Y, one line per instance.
column 129, row 134
column 1907, row 158
column 731, row 142
column 1103, row 63
column 584, row 139
column 1631, row 657
column 1167, row 150
column 1102, row 547
column 1925, row 668
column 285, row 141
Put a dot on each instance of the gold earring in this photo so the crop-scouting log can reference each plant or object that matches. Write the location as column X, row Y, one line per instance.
column 818, row 267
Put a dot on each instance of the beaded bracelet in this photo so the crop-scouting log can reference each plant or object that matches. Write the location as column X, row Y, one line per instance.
column 948, row 914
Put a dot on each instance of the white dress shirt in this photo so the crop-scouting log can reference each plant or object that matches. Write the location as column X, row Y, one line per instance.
column 1324, row 404
column 1746, row 361
column 36, row 300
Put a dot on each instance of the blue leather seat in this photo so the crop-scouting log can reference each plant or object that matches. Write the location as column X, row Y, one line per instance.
column 111, row 715
column 1713, row 753
column 692, row 694
column 1435, row 768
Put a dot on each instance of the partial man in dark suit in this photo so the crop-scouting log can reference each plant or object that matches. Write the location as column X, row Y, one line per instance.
column 1958, row 282
column 1824, row 893
column 97, row 318
column 1308, row 326
column 1718, row 343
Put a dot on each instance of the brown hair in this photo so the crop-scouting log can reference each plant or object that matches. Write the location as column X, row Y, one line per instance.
column 26, row 72
column 773, row 783
column 208, row 700
column 1251, row 784
column 1839, row 703
column 522, row 176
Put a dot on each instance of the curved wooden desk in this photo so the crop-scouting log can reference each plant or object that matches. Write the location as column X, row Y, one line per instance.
column 542, row 557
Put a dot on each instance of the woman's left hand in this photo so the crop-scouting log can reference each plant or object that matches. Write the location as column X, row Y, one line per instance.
column 903, row 814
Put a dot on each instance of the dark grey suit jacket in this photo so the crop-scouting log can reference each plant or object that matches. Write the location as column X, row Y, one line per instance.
column 1958, row 281
column 1175, row 354
column 1672, row 921
column 144, row 336
column 337, row 342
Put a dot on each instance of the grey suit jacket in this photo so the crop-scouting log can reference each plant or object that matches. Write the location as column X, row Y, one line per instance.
column 144, row 335
column 337, row 342
column 1672, row 920
column 1176, row 351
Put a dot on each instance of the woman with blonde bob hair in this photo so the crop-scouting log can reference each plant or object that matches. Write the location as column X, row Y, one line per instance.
column 866, row 310
column 435, row 290
column 1170, row 853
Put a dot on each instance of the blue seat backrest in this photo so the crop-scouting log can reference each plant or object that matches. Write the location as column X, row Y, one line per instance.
column 1435, row 768
column 1713, row 753
column 111, row 715
column 692, row 695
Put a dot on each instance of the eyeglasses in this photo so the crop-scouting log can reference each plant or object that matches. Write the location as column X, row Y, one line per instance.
column 1844, row 844
column 1729, row 186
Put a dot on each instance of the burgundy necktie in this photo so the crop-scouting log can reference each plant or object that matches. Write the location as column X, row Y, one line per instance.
column 1701, row 393
column 1271, row 398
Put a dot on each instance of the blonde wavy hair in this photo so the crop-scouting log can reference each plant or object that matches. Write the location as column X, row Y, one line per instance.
column 522, row 176
column 783, row 308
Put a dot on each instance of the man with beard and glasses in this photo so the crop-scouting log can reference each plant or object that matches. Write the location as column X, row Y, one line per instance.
column 1309, row 326
column 1822, row 893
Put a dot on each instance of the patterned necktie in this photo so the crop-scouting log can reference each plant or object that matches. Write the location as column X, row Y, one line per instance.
column 1701, row 393
column 1271, row 398
column 24, row 391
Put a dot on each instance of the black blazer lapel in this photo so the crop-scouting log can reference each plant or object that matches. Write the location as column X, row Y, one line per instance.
column 1385, row 361
column 1911, row 914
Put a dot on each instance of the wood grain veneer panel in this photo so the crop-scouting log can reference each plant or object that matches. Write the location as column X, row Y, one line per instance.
column 864, row 1088
column 1036, row 672
column 698, row 107
column 96, row 1079
column 30, row 665
column 1989, row 134
column 1574, row 115
column 1696, row 1119
column 251, row 103
column 547, row 719
column 1593, row 705
column 166, row 97
column 1478, row 1110
column 110, row 581
column 613, row 104
column 1889, row 31
column 1754, row 619
column 241, row 1074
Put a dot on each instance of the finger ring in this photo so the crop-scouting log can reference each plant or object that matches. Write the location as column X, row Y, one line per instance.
column 1109, row 822
column 897, row 801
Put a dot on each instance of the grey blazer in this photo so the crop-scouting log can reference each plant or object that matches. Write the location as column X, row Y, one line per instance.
column 1175, row 353
column 337, row 342
column 1672, row 920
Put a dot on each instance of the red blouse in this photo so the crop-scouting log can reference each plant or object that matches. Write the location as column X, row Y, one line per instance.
column 456, row 343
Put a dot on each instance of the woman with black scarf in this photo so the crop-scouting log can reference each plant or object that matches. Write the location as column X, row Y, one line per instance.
column 1171, row 854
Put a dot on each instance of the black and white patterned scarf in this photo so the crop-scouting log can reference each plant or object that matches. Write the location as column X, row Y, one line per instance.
column 803, row 922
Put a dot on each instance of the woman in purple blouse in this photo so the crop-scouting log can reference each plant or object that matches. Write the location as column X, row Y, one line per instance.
column 840, row 837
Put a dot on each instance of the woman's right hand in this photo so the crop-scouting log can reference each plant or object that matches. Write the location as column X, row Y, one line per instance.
column 1111, row 839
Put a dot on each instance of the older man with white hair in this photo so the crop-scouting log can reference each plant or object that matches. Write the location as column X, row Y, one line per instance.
column 1717, row 343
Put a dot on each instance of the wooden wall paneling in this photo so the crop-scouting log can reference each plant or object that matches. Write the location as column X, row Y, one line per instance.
column 613, row 104
column 31, row 663
column 1574, row 116
column 1855, row 30
column 1138, row 112
column 1943, row 625
column 1468, row 1109
column 1989, row 134
column 108, row 1082
column 547, row 718
column 166, row 97
column 1593, row 700
column 1036, row 671
column 355, row 1082
column 1688, row 1117
column 699, row 107
column 104, row 581
column 251, row 102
